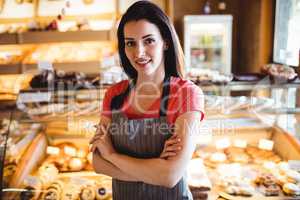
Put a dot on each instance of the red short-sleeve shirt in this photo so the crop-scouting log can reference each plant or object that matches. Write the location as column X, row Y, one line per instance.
column 184, row 96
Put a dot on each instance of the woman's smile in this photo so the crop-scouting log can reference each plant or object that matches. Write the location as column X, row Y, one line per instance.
column 143, row 62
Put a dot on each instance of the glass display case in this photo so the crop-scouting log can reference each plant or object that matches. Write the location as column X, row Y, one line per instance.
column 207, row 42
column 286, row 38
column 46, row 150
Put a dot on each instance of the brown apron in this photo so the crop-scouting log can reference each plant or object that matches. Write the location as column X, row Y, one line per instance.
column 144, row 138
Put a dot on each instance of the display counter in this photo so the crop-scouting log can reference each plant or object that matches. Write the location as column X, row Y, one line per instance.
column 45, row 151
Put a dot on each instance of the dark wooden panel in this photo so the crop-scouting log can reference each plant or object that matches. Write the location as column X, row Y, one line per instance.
column 8, row 38
column 10, row 68
column 55, row 36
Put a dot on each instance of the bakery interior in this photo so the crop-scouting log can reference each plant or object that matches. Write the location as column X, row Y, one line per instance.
column 57, row 58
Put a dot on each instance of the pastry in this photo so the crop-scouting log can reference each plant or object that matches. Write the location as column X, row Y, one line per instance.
column 234, row 150
column 48, row 173
column 293, row 176
column 272, row 190
column 103, row 189
column 197, row 177
column 87, row 193
column 51, row 194
column 265, row 179
column 76, row 164
column 71, row 192
column 283, row 167
column 101, row 193
column 291, row 189
column 240, row 158
column 237, row 190
column 9, row 169
column 280, row 73
column 218, row 157
column 82, row 153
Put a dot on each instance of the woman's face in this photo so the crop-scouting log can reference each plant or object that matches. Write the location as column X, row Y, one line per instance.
column 144, row 47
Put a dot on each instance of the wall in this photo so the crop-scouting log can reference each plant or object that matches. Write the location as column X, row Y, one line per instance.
column 253, row 22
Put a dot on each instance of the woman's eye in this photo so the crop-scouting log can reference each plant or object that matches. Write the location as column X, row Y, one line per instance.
column 129, row 43
column 149, row 41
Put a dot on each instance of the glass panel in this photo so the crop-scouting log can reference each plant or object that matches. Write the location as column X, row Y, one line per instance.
column 287, row 31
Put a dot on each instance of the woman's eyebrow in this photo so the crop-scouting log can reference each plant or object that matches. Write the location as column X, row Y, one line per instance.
column 145, row 36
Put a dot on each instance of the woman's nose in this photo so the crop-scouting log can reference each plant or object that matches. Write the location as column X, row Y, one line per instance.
column 140, row 50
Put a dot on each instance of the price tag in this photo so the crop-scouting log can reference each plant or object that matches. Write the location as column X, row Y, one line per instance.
column 80, row 181
column 34, row 97
column 52, row 150
column 223, row 143
column 240, row 143
column 70, row 151
column 294, row 165
column 265, row 144
column 45, row 65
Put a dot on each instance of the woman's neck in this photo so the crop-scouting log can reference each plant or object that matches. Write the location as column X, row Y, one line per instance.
column 150, row 84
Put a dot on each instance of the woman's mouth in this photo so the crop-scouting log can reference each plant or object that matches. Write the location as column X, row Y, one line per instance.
column 142, row 62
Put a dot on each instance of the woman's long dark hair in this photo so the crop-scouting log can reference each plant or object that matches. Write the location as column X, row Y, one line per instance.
column 173, row 56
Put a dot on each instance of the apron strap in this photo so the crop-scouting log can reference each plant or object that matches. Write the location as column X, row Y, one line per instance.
column 164, row 97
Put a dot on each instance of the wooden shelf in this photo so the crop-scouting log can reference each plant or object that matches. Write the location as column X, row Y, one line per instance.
column 8, row 38
column 88, row 67
column 11, row 68
column 53, row 36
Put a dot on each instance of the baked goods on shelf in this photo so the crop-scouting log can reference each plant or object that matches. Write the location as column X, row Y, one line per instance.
column 268, row 184
column 236, row 179
column 67, row 157
column 208, row 76
column 280, row 73
column 198, row 180
column 33, row 155
column 49, row 111
column 59, row 79
column 13, row 83
column 249, row 155
column 291, row 189
column 68, row 52
column 242, row 171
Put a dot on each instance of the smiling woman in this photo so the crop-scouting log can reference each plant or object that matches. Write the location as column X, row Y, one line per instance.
column 144, row 50
column 145, row 136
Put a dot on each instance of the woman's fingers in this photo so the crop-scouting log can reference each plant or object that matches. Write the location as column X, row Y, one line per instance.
column 96, row 137
column 167, row 154
column 94, row 147
column 101, row 131
column 173, row 148
column 172, row 140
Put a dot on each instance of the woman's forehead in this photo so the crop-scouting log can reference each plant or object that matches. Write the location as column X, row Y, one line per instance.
column 140, row 28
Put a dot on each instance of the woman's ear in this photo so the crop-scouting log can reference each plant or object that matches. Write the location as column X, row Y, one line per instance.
column 166, row 45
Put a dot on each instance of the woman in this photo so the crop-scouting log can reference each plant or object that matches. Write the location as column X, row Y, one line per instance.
column 152, row 117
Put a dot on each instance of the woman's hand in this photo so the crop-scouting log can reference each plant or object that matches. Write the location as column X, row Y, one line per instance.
column 172, row 147
column 102, row 142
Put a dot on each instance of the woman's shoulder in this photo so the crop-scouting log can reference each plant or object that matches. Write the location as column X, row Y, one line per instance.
column 117, row 88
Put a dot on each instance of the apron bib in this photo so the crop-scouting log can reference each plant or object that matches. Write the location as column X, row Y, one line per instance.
column 144, row 138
